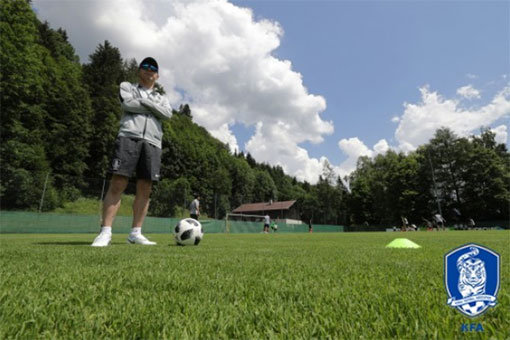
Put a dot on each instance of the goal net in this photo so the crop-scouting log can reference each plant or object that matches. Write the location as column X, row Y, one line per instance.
column 244, row 223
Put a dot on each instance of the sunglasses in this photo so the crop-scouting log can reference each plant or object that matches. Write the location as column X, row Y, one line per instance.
column 149, row 67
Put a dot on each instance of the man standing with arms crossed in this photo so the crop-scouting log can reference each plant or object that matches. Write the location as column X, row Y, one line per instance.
column 137, row 151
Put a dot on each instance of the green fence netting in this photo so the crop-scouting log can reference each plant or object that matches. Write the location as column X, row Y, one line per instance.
column 31, row 222
column 27, row 222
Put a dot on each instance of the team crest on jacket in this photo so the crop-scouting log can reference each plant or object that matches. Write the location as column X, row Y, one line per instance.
column 471, row 277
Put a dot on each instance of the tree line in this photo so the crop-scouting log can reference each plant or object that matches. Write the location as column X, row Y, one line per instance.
column 59, row 120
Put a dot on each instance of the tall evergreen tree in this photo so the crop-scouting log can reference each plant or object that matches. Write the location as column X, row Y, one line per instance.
column 130, row 68
column 342, row 195
column 264, row 189
column 222, row 187
column 487, row 176
column 103, row 75
column 361, row 198
column 23, row 164
column 285, row 187
column 68, row 112
column 448, row 158
column 243, row 182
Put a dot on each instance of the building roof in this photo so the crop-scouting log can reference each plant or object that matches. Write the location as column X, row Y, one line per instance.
column 264, row 206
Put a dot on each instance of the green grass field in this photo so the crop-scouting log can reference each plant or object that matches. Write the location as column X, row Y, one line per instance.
column 243, row 286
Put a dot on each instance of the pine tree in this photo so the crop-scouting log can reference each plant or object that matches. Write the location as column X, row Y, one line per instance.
column 23, row 165
column 68, row 112
column 103, row 76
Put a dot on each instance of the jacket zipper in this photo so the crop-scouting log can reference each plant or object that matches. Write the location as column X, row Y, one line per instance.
column 146, row 115
column 145, row 126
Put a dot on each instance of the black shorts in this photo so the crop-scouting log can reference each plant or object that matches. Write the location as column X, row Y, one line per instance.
column 136, row 156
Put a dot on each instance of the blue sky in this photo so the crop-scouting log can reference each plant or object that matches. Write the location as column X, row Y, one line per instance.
column 301, row 83
column 367, row 58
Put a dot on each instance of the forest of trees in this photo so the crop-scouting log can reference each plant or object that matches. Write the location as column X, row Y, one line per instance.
column 59, row 120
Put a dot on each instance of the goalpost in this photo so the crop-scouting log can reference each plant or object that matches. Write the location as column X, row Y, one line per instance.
column 258, row 220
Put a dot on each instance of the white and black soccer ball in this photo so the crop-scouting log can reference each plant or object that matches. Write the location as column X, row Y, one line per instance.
column 188, row 232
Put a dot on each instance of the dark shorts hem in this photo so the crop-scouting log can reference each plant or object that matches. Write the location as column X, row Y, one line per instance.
column 136, row 158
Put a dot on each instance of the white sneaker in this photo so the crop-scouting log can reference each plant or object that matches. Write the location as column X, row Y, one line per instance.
column 102, row 240
column 139, row 239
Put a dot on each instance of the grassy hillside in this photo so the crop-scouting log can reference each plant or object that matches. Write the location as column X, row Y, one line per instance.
column 90, row 206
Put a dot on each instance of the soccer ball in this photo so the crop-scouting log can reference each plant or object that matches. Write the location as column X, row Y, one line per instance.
column 188, row 232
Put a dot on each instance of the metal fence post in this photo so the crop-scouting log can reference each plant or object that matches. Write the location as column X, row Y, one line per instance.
column 44, row 192
column 100, row 203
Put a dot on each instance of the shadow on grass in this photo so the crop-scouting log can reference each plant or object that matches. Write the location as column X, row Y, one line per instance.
column 88, row 243
column 71, row 243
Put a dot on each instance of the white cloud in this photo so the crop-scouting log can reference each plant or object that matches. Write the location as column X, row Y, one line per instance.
column 222, row 61
column 275, row 143
column 501, row 134
column 355, row 148
column 420, row 121
column 468, row 92
column 471, row 76
column 381, row 147
column 395, row 119
column 224, row 134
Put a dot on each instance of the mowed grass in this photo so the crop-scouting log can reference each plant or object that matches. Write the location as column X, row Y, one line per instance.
column 243, row 286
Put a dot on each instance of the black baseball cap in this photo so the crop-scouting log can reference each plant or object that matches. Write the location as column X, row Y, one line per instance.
column 151, row 63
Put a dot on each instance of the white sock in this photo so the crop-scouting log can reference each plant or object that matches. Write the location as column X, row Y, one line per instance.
column 136, row 231
column 106, row 229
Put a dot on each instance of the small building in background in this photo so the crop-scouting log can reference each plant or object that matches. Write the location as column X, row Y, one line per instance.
column 284, row 211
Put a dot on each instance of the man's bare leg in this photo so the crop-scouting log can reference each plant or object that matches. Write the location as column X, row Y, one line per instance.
column 111, row 201
column 111, row 205
column 140, row 207
column 141, row 203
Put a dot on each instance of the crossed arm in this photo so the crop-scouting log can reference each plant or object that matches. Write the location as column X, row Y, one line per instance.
column 161, row 110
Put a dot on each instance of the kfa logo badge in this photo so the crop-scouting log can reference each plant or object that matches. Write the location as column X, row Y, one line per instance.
column 471, row 275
